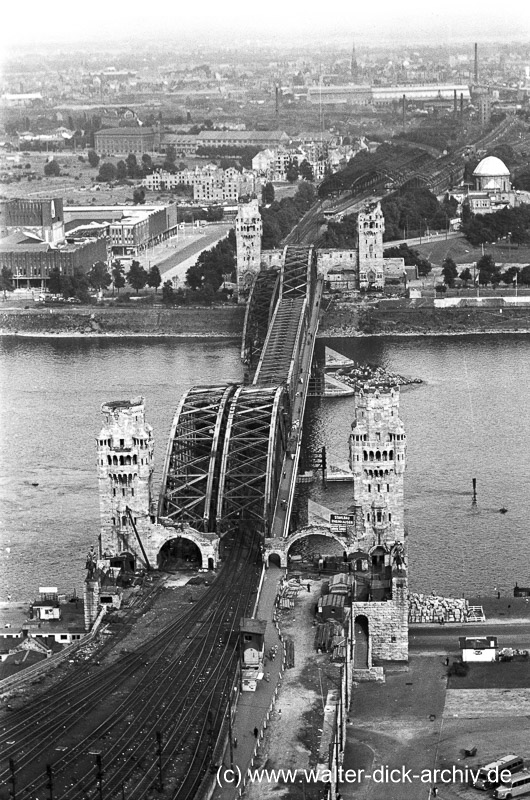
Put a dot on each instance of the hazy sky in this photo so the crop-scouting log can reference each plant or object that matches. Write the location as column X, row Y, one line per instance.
column 383, row 20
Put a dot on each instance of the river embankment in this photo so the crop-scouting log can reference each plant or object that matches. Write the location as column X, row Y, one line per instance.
column 224, row 322
column 349, row 320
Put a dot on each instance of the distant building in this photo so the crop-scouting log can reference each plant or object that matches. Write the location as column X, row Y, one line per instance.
column 242, row 139
column 31, row 260
column 210, row 183
column 131, row 228
column 43, row 218
column 121, row 141
column 493, row 189
column 380, row 96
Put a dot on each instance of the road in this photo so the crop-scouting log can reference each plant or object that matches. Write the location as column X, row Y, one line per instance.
column 176, row 255
column 436, row 639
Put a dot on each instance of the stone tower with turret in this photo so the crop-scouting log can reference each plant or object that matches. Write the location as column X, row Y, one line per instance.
column 370, row 230
column 125, row 451
column 249, row 228
column 378, row 446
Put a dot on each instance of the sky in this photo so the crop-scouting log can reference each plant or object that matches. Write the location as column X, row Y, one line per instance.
column 384, row 21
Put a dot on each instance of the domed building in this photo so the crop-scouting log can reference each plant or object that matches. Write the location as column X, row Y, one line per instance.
column 492, row 175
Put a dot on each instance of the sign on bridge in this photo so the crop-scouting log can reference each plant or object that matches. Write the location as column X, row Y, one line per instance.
column 339, row 523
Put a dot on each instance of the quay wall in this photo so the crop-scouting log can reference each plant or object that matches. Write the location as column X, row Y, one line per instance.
column 186, row 321
column 408, row 318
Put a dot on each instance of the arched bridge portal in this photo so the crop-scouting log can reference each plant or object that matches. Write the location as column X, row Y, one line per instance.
column 254, row 451
column 189, row 483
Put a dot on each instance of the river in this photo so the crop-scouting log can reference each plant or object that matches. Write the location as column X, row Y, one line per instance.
column 468, row 419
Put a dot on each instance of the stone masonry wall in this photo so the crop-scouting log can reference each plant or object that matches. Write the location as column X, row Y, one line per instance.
column 388, row 621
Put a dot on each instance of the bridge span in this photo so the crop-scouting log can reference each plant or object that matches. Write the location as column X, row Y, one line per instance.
column 233, row 451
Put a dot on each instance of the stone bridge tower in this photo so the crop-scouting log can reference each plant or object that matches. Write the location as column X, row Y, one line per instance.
column 249, row 228
column 377, row 459
column 125, row 469
column 370, row 229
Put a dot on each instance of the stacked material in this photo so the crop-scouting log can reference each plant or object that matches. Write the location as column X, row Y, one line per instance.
column 433, row 608
column 287, row 593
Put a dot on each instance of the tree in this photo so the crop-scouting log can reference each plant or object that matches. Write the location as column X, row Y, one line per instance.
column 132, row 166
column 139, row 196
column 154, row 278
column 306, row 170
column 524, row 275
column 171, row 155
column 55, row 281
column 267, row 194
column 6, row 281
column 509, row 275
column 52, row 168
column 93, row 158
column 118, row 278
column 147, row 162
column 488, row 271
column 449, row 271
column 99, row 277
column 121, row 171
column 107, row 172
column 75, row 285
column 292, row 173
column 137, row 276
column 466, row 276
column 168, row 295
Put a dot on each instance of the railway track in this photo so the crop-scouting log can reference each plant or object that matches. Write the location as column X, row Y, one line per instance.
column 154, row 713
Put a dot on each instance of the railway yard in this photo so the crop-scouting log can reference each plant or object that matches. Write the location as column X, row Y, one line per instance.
column 144, row 712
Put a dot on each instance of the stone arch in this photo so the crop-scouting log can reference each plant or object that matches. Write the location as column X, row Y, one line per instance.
column 362, row 656
column 317, row 532
column 205, row 547
column 275, row 559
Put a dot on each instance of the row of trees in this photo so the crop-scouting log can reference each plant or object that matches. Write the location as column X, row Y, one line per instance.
column 411, row 211
column 212, row 265
column 487, row 272
column 512, row 223
column 99, row 278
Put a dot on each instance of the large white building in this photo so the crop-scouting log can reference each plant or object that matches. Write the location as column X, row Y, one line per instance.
column 493, row 189
column 210, row 183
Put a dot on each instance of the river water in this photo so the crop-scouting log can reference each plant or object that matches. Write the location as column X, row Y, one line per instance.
column 468, row 419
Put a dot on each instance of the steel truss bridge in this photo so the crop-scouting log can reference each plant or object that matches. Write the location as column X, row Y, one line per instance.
column 232, row 453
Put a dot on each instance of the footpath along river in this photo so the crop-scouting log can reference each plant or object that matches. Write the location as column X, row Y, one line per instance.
column 469, row 418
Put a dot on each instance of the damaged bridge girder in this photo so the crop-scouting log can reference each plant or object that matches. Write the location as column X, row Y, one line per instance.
column 254, row 449
column 189, row 482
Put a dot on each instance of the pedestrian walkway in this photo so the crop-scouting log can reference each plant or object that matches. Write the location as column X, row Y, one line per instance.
column 253, row 707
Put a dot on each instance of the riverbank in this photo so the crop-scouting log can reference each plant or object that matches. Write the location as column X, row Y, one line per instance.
column 220, row 322
column 226, row 322
column 347, row 320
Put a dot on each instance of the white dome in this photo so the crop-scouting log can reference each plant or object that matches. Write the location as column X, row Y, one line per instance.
column 491, row 166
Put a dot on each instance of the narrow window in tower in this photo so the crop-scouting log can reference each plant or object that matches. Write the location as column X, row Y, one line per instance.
column 369, row 487
column 388, row 487
column 390, row 517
